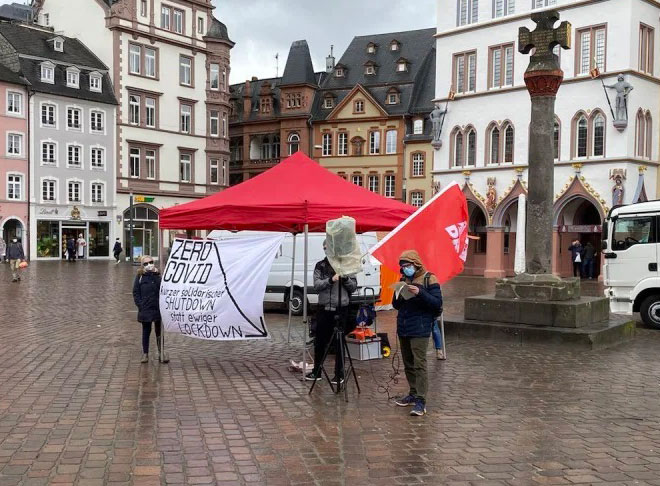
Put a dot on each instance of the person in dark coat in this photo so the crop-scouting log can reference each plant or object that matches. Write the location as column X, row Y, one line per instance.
column 71, row 249
column 15, row 256
column 116, row 250
column 330, row 286
column 588, row 253
column 146, row 289
column 576, row 257
column 414, row 323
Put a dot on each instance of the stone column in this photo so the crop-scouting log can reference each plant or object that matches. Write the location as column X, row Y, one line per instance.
column 538, row 249
column 542, row 78
column 495, row 267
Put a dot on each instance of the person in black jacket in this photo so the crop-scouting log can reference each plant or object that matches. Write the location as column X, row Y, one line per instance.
column 15, row 256
column 71, row 249
column 116, row 251
column 414, row 323
column 330, row 287
column 146, row 289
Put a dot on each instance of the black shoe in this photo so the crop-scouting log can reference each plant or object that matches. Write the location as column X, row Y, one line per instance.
column 313, row 377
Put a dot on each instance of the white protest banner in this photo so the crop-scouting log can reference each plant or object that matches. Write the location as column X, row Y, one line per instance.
column 215, row 289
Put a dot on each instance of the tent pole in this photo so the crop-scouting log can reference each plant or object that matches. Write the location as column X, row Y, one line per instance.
column 293, row 268
column 305, row 327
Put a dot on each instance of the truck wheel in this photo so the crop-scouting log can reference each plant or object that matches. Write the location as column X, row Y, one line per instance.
column 650, row 311
column 296, row 302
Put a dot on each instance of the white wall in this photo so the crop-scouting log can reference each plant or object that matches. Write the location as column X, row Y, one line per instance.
column 622, row 18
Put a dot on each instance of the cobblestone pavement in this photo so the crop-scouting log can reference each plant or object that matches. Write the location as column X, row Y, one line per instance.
column 78, row 408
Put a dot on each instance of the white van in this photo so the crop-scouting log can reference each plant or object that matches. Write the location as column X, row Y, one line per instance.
column 279, row 284
column 630, row 249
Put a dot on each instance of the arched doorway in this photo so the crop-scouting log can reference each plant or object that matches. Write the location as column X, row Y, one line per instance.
column 13, row 228
column 145, row 231
column 578, row 219
column 475, row 263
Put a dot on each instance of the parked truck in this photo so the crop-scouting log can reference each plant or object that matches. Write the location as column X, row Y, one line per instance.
column 630, row 249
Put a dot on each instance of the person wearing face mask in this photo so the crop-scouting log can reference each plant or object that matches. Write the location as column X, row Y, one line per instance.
column 415, row 319
column 146, row 290
column 15, row 256
column 327, row 283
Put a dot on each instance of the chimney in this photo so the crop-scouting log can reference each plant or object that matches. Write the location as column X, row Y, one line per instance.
column 247, row 100
column 330, row 61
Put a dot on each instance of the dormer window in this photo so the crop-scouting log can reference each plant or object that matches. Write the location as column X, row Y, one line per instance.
column 402, row 66
column 328, row 102
column 73, row 78
column 340, row 72
column 370, row 68
column 58, row 44
column 395, row 46
column 48, row 73
column 371, row 48
column 95, row 82
column 393, row 97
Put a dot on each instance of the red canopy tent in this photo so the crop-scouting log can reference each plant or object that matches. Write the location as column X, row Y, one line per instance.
column 295, row 193
column 295, row 196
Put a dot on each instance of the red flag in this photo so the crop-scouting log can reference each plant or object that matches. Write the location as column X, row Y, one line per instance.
column 438, row 231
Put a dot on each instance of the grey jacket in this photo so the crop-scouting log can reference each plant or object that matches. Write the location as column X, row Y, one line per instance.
column 328, row 290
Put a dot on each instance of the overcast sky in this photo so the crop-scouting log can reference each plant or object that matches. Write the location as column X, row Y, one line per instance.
column 263, row 28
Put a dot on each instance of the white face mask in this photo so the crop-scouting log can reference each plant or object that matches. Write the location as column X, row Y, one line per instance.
column 150, row 267
column 14, row 240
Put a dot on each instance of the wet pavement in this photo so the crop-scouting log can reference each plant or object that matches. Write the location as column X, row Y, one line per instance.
column 78, row 408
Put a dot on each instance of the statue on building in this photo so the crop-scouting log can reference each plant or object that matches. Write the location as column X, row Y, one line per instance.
column 75, row 213
column 618, row 176
column 623, row 89
column 491, row 196
column 437, row 120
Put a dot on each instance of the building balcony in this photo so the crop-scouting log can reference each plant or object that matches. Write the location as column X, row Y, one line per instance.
column 271, row 161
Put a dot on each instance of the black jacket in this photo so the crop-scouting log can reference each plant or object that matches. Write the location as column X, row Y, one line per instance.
column 417, row 315
column 146, row 289
column 15, row 251
column 117, row 248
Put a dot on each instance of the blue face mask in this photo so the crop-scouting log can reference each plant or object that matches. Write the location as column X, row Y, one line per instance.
column 409, row 271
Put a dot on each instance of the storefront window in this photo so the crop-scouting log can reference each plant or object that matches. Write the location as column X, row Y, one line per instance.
column 145, row 231
column 99, row 239
column 48, row 239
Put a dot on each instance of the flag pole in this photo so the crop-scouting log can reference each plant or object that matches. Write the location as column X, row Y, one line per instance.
column 608, row 98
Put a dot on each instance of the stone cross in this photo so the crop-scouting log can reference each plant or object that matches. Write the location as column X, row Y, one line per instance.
column 543, row 78
column 544, row 38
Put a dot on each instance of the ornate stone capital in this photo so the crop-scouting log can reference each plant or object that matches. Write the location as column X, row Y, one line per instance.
column 543, row 83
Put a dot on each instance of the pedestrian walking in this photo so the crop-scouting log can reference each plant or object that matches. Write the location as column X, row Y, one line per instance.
column 330, row 287
column 81, row 244
column 588, row 260
column 15, row 256
column 116, row 251
column 146, row 289
column 3, row 250
column 71, row 249
column 414, row 322
column 576, row 257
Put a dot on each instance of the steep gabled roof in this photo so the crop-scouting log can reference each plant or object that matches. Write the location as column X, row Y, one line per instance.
column 414, row 46
column 37, row 43
column 299, row 68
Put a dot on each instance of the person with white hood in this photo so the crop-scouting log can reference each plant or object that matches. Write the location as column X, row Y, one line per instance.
column 81, row 243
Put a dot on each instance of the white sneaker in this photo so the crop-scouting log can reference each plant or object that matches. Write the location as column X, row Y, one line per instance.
column 440, row 354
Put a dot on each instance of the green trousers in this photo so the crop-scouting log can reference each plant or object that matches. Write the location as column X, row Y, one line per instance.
column 413, row 352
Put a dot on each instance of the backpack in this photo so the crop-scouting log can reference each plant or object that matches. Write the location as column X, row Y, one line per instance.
column 427, row 280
